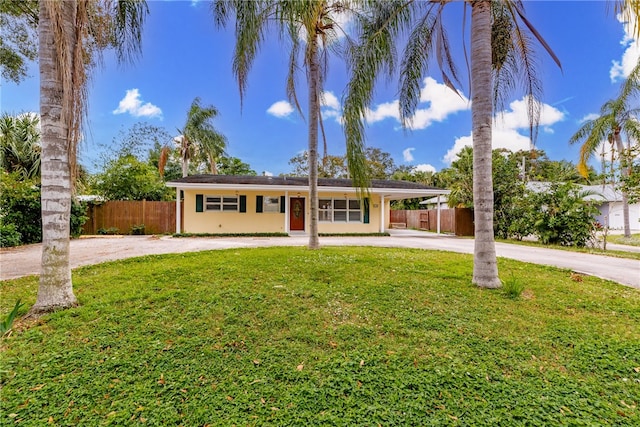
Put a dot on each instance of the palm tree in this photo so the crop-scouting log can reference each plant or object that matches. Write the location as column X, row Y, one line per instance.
column 67, row 39
column 310, row 21
column 20, row 145
column 199, row 136
column 501, row 55
column 618, row 117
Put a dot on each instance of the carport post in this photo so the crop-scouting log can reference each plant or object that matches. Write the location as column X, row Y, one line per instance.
column 382, row 208
column 178, row 219
column 438, row 215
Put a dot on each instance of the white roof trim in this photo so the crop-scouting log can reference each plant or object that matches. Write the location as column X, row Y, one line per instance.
column 389, row 193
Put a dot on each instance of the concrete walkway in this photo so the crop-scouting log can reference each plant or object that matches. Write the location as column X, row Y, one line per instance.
column 25, row 260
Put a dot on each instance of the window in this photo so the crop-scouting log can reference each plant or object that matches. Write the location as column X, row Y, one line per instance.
column 221, row 203
column 325, row 206
column 271, row 204
column 340, row 210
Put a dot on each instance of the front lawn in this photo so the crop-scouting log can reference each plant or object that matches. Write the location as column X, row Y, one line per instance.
column 340, row 336
column 634, row 240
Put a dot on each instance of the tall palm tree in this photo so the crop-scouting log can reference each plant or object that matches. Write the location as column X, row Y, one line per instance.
column 618, row 117
column 199, row 136
column 309, row 22
column 20, row 145
column 68, row 44
column 501, row 49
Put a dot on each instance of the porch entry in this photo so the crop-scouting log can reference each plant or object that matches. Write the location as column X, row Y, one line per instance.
column 296, row 214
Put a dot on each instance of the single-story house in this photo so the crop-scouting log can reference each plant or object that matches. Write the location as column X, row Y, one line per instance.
column 268, row 204
column 609, row 202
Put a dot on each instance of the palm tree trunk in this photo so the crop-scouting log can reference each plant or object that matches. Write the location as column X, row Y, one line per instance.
column 485, row 266
column 626, row 170
column 55, row 290
column 314, row 107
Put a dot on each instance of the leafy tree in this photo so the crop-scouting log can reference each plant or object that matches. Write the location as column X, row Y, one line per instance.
column 19, row 43
column 234, row 166
column 379, row 164
column 20, row 145
column 200, row 137
column 409, row 173
column 128, row 178
column 500, row 48
column 141, row 140
column 311, row 22
column 68, row 49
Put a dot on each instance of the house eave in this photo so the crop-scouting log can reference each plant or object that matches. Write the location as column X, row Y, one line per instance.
column 388, row 193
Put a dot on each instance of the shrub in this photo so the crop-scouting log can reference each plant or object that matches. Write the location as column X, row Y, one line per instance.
column 9, row 236
column 20, row 208
column 137, row 230
column 561, row 215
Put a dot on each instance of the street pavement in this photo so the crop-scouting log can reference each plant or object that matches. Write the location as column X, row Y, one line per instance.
column 25, row 260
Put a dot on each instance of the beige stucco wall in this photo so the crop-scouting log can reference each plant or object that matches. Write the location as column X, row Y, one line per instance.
column 268, row 222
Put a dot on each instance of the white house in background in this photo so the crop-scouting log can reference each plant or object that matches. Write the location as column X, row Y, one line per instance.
column 607, row 199
column 438, row 202
column 610, row 205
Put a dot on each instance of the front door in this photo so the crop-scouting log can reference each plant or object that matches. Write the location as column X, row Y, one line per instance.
column 296, row 214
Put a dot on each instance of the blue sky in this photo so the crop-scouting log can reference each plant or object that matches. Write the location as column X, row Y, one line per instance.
column 186, row 56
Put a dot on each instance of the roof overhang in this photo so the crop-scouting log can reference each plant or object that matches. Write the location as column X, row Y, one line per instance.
column 387, row 193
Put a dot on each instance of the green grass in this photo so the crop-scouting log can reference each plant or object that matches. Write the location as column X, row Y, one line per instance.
column 339, row 336
column 608, row 252
column 634, row 240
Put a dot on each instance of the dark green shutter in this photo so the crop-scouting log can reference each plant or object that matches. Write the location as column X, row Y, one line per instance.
column 366, row 211
column 259, row 203
column 243, row 203
column 199, row 203
column 283, row 200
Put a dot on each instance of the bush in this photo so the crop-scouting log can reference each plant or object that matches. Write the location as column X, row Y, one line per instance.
column 20, row 208
column 9, row 236
column 137, row 230
column 561, row 215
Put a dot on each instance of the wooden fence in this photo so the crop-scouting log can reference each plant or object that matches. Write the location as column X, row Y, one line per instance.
column 458, row 221
column 157, row 217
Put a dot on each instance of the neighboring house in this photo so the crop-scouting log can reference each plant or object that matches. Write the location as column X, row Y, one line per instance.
column 263, row 204
column 608, row 201
column 438, row 202
column 610, row 205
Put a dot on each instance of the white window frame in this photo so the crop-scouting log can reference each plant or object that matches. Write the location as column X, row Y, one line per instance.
column 330, row 211
column 221, row 203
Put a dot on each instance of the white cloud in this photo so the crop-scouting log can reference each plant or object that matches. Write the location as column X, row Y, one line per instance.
column 133, row 104
column 510, row 129
column 441, row 100
column 328, row 99
column 424, row 167
column 407, row 155
column 588, row 117
column 383, row 111
column 280, row 109
column 330, row 106
column 621, row 69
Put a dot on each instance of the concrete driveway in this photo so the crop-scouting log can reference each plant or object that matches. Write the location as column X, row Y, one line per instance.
column 25, row 260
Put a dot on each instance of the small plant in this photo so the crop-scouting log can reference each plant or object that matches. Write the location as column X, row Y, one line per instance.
column 137, row 230
column 7, row 323
column 108, row 231
column 513, row 287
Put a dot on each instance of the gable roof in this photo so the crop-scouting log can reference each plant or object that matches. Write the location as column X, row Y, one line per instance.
column 391, row 189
